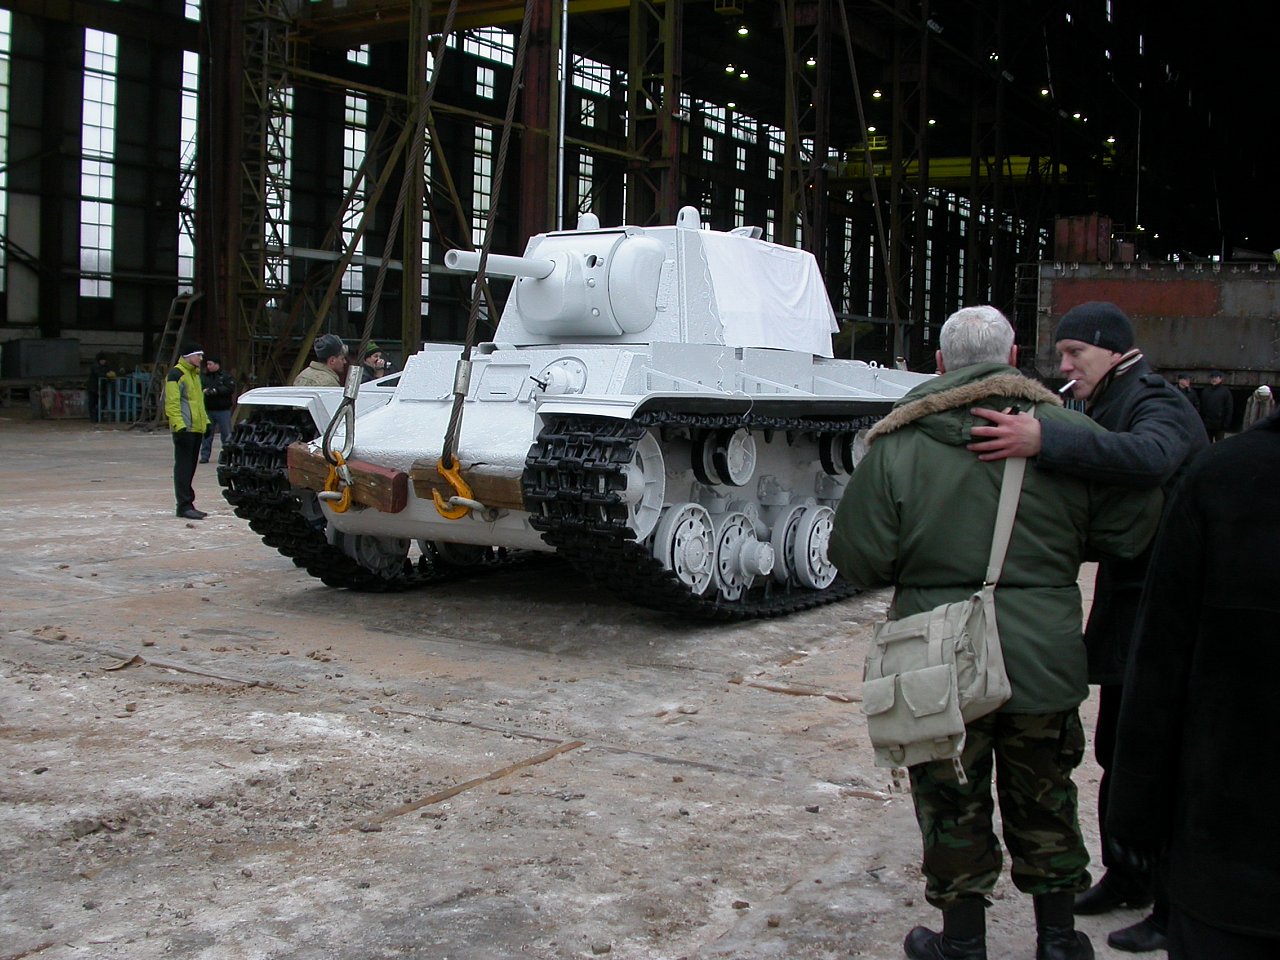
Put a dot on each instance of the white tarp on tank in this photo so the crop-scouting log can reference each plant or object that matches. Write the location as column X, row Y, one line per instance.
column 769, row 296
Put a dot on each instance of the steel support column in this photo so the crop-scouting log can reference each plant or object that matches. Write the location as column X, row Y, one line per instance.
column 807, row 34
column 653, row 100
column 540, row 111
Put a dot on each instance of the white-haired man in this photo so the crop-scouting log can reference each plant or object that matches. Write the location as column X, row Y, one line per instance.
column 918, row 514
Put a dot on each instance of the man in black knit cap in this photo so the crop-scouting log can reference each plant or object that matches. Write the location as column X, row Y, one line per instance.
column 1153, row 434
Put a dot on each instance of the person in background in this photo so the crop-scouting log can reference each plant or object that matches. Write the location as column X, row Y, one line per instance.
column 919, row 513
column 101, row 370
column 375, row 364
column 1184, row 387
column 188, row 421
column 1258, row 407
column 1151, row 436
column 329, row 368
column 1216, row 407
column 219, row 397
column 1197, row 766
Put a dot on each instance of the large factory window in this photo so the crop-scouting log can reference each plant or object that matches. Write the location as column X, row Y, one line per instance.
column 355, row 124
column 187, row 171
column 97, row 163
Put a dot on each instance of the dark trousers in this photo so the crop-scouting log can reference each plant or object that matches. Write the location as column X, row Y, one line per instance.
column 220, row 423
column 1192, row 939
column 1033, row 755
column 1125, row 880
column 186, row 453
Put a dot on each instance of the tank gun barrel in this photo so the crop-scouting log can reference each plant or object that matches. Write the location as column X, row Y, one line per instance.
column 499, row 265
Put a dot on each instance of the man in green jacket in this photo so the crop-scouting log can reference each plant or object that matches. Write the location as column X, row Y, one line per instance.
column 184, row 406
column 918, row 514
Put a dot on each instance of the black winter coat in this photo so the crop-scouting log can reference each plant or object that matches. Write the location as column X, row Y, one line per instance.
column 1198, row 753
column 1217, row 406
column 1153, row 434
column 223, row 387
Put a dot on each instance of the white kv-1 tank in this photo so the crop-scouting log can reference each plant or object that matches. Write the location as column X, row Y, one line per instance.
column 659, row 406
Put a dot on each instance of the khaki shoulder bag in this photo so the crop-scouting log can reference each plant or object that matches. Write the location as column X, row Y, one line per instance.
column 930, row 673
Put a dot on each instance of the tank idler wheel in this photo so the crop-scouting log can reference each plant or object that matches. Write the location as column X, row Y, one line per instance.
column 646, row 486
column 684, row 544
column 835, row 450
column 809, row 559
column 740, row 557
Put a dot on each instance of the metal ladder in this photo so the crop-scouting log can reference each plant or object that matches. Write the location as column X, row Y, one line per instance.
column 167, row 347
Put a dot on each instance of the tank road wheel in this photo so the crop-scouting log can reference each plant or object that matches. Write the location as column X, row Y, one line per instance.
column 809, row 552
column 454, row 554
column 740, row 557
column 684, row 544
column 783, row 541
column 646, row 486
column 383, row 556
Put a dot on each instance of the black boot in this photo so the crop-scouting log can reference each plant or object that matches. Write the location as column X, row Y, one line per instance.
column 963, row 936
column 1111, row 893
column 1056, row 936
column 1145, row 935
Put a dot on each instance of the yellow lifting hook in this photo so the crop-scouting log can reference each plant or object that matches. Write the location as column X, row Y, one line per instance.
column 450, row 509
column 337, row 503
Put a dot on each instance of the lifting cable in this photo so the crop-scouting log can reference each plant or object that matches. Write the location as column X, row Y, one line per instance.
column 459, row 505
column 346, row 412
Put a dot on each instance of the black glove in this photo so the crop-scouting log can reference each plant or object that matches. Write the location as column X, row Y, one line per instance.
column 1134, row 856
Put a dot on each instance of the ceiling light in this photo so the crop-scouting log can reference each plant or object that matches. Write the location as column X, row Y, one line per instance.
column 811, row 62
column 1111, row 139
column 876, row 94
column 1044, row 91
column 743, row 75
column 732, row 105
column 871, row 129
column 729, row 68
column 743, row 31
column 1076, row 115
column 933, row 122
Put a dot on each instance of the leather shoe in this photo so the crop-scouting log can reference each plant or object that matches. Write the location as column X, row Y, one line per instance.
column 1106, row 895
column 924, row 944
column 1142, row 937
column 193, row 514
column 1062, row 943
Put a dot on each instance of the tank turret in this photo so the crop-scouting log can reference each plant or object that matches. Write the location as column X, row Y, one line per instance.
column 658, row 405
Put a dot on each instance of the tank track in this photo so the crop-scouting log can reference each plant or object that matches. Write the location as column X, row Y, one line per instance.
column 573, row 488
column 253, row 472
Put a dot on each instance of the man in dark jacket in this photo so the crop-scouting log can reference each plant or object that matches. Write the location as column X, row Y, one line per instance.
column 1197, row 767
column 1216, row 406
column 1184, row 387
column 219, row 396
column 918, row 513
column 1153, row 434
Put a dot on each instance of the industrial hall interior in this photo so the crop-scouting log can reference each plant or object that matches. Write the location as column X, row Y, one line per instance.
column 431, row 436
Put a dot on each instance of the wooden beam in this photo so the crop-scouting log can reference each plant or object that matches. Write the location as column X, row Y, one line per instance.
column 501, row 491
column 382, row 488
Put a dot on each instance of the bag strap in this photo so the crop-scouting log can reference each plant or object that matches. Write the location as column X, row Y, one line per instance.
column 1010, row 492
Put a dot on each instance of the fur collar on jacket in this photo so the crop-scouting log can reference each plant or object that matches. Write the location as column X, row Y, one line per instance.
column 1012, row 385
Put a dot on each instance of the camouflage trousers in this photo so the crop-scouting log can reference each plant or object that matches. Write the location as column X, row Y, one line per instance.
column 1033, row 756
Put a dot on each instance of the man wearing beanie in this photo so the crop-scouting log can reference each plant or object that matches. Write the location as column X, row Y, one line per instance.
column 184, row 407
column 330, row 365
column 1153, row 433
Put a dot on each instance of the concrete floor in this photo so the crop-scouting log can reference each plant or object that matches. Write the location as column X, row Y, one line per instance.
column 208, row 754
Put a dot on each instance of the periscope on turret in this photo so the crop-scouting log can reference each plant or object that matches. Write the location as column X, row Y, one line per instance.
column 658, row 405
